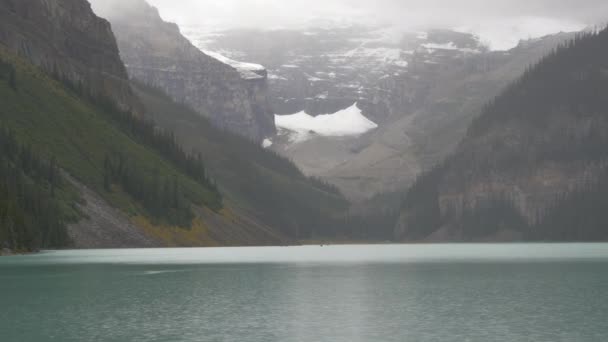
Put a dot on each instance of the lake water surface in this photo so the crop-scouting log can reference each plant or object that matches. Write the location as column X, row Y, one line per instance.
column 528, row 292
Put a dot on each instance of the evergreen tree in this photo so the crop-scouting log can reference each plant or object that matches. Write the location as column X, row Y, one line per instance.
column 12, row 78
column 30, row 215
column 163, row 200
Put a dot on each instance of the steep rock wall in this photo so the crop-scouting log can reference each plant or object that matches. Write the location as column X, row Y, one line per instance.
column 157, row 54
column 66, row 39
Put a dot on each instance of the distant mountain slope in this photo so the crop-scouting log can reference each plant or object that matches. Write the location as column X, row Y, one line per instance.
column 394, row 155
column 533, row 165
column 234, row 96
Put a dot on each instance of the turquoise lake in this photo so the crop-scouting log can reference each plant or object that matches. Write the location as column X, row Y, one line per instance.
column 460, row 292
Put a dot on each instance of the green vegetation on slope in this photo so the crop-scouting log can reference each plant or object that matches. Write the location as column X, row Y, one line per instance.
column 268, row 185
column 80, row 134
column 35, row 201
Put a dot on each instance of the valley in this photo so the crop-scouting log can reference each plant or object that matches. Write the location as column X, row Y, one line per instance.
column 421, row 89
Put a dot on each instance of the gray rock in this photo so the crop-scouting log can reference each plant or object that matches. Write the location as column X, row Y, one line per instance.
column 157, row 54
column 68, row 40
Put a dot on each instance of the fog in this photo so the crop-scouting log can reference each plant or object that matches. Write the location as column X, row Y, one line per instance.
column 283, row 13
column 499, row 22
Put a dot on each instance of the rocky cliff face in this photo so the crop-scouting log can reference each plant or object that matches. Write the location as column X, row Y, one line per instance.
column 233, row 95
column 68, row 40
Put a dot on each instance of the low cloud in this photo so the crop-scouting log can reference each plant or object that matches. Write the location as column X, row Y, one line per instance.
column 446, row 13
column 501, row 23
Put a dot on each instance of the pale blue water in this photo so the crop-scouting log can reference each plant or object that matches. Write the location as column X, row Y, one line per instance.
column 345, row 294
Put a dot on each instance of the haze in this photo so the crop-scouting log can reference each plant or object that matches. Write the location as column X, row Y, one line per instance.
column 501, row 23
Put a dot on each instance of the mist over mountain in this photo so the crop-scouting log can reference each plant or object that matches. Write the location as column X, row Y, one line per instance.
column 501, row 23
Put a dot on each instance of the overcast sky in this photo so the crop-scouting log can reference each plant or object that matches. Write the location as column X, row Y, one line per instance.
column 492, row 18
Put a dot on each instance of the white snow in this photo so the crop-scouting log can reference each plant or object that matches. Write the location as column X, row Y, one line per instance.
column 446, row 46
column 401, row 64
column 313, row 78
column 422, row 35
column 277, row 77
column 267, row 143
column 247, row 70
column 503, row 35
column 377, row 55
column 431, row 47
column 346, row 122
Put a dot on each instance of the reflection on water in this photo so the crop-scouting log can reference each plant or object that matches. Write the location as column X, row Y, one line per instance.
column 346, row 293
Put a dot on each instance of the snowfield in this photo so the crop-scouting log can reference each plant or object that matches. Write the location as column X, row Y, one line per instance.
column 347, row 122
column 267, row 143
column 247, row 70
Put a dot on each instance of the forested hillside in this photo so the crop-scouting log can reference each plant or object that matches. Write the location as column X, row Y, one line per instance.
column 533, row 165
column 49, row 125
column 34, row 199
column 271, row 187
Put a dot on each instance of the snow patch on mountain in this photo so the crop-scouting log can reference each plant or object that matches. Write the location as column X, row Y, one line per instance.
column 503, row 35
column 267, row 143
column 248, row 71
column 446, row 46
column 431, row 47
column 378, row 54
column 347, row 122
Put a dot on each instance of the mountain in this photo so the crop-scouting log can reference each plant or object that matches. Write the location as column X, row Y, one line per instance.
column 233, row 95
column 533, row 166
column 84, row 166
column 420, row 90
column 257, row 183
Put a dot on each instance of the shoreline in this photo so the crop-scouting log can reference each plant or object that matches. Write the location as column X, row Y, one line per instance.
column 9, row 252
column 5, row 253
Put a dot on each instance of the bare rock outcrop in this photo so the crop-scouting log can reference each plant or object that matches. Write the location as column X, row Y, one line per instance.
column 66, row 39
column 233, row 95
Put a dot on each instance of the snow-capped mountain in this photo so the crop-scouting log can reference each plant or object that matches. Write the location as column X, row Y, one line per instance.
column 417, row 92
column 325, row 70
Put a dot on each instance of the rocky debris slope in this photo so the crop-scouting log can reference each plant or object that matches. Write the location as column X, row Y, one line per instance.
column 233, row 95
column 105, row 226
column 68, row 40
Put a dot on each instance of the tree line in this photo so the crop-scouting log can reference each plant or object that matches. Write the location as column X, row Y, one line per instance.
column 162, row 197
column 579, row 215
column 31, row 217
column 8, row 73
